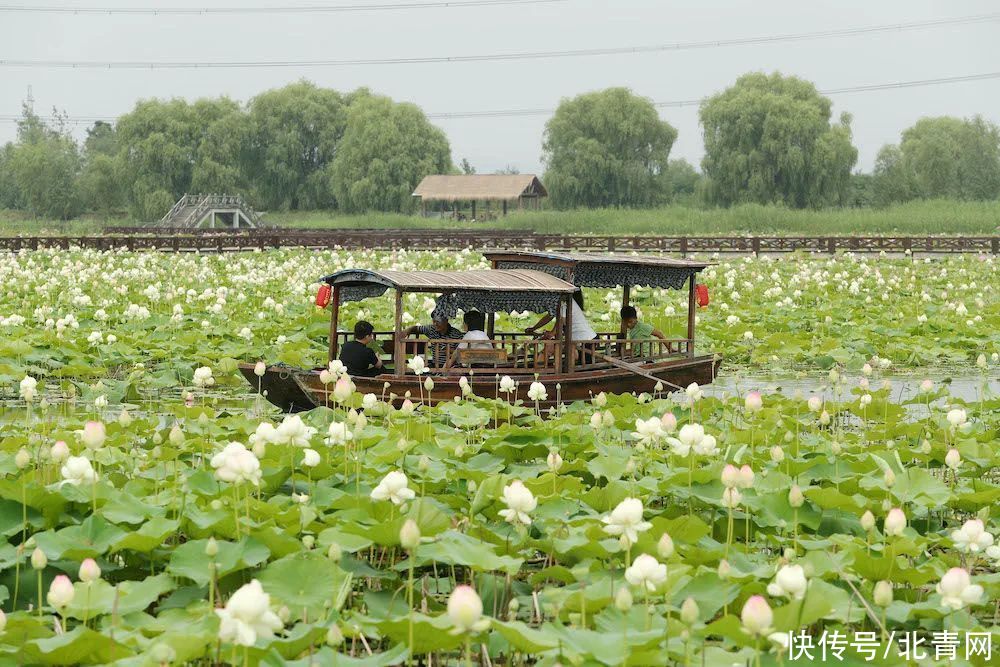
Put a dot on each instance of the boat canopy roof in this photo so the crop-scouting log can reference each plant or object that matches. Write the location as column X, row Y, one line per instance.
column 602, row 270
column 485, row 290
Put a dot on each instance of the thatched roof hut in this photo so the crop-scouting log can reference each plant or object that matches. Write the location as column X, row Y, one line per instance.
column 525, row 189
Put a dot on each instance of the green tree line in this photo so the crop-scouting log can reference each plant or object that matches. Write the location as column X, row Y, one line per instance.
column 769, row 139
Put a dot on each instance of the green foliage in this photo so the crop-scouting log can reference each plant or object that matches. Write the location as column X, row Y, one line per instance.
column 44, row 166
column 385, row 152
column 607, row 148
column 941, row 157
column 160, row 149
column 768, row 139
column 295, row 134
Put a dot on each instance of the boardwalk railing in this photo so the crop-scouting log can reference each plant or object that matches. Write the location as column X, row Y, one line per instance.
column 436, row 239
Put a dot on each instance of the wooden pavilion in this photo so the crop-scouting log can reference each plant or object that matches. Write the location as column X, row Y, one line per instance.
column 524, row 190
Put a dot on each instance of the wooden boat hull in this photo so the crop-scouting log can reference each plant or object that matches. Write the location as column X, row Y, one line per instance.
column 295, row 390
column 278, row 386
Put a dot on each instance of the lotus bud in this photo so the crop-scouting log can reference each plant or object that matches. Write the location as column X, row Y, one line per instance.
column 836, row 448
column 554, row 461
column 824, row 418
column 157, row 438
column 470, row 486
column 203, row 420
column 157, row 452
column 409, row 535
column 423, row 463
column 953, row 459
column 883, row 594
column 795, row 497
column 665, row 547
column 59, row 451
column 777, row 454
column 730, row 476
column 326, row 377
column 754, row 402
column 630, row 466
column 162, row 654
column 746, row 477
column 724, row 569
column 465, row 608
column 669, row 422
column 689, row 611
column 334, row 636
column 124, row 418
column 89, row 571
column 176, row 436
column 757, row 616
column 428, row 383
column 623, row 599
column 788, row 554
column 788, row 437
column 22, row 459
column 889, row 477
column 259, row 369
column 308, row 541
column 334, row 553
column 38, row 559
column 211, row 548
column 61, row 592
column 895, row 522
column 216, row 504
column 925, row 447
column 868, row 521
column 284, row 613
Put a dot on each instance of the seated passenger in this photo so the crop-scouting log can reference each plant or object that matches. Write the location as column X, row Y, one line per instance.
column 636, row 330
column 359, row 359
column 440, row 329
column 475, row 337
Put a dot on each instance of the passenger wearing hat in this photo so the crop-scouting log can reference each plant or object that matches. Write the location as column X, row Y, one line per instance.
column 439, row 329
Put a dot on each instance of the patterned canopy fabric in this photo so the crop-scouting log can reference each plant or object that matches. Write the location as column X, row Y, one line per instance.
column 611, row 275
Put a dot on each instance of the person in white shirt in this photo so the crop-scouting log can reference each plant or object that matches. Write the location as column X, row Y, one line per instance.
column 582, row 330
column 475, row 337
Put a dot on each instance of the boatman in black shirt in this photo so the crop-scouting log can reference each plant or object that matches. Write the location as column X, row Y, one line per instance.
column 359, row 359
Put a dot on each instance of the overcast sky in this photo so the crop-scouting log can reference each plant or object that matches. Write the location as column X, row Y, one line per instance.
column 491, row 143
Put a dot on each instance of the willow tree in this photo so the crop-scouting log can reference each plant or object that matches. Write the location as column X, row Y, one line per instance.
column 607, row 148
column 295, row 134
column 769, row 139
column 386, row 150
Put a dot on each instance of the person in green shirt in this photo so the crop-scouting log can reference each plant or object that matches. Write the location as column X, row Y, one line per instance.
column 636, row 330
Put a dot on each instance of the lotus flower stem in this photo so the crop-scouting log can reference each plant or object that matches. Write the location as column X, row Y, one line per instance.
column 409, row 601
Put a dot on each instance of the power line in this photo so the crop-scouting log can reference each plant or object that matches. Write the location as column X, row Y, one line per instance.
column 523, row 55
column 296, row 9
column 503, row 113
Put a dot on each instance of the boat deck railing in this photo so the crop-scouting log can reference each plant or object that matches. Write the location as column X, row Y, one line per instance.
column 525, row 354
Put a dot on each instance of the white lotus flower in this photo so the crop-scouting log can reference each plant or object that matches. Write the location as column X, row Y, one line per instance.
column 536, row 392
column 507, row 384
column 59, row 451
column 957, row 590
column 247, row 616
column 77, row 470
column 417, row 365
column 625, row 521
column 369, row 401
column 694, row 392
column 236, row 464
column 264, row 435
column 707, row 446
column 519, row 501
column 29, row 388
column 310, row 458
column 790, row 582
column 957, row 417
column 815, row 403
column 731, row 498
column 338, row 434
column 89, row 571
column 648, row 431
column 972, row 537
column 293, row 431
column 553, row 461
column 953, row 459
column 259, row 369
column 393, row 487
column 646, row 572
column 343, row 389
column 203, row 377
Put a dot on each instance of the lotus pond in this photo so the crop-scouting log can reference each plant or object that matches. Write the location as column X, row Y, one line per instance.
column 157, row 513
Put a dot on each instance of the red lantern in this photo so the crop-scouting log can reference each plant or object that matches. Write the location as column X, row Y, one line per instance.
column 701, row 293
column 323, row 296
